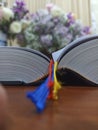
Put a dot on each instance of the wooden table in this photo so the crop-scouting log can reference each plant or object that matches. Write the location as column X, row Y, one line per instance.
column 76, row 109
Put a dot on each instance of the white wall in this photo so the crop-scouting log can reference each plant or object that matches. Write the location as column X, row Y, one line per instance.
column 94, row 13
column 81, row 8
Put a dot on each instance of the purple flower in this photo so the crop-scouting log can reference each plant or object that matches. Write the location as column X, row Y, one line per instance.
column 86, row 30
column 20, row 3
column 69, row 15
column 46, row 40
column 69, row 37
column 34, row 17
column 60, row 30
column 71, row 18
column 19, row 9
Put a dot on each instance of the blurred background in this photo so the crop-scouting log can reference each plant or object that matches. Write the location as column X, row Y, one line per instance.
column 81, row 20
column 81, row 8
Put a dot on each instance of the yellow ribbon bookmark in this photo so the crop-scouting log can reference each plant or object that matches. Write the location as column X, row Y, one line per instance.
column 57, row 85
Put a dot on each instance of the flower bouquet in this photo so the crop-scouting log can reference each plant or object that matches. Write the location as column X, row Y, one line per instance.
column 11, row 20
column 51, row 29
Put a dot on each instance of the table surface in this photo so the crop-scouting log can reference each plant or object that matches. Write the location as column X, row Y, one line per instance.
column 76, row 109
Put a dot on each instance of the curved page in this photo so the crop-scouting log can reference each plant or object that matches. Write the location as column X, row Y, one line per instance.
column 81, row 56
column 22, row 65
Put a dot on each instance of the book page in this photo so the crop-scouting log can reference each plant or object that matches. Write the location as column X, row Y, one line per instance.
column 56, row 54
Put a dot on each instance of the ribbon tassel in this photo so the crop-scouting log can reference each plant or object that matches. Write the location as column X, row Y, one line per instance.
column 57, row 85
column 48, row 89
column 39, row 96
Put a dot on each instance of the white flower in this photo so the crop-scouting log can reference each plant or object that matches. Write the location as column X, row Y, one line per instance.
column 15, row 27
column 25, row 23
column 56, row 11
column 7, row 13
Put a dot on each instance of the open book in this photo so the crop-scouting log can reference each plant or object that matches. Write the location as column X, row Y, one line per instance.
column 23, row 65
